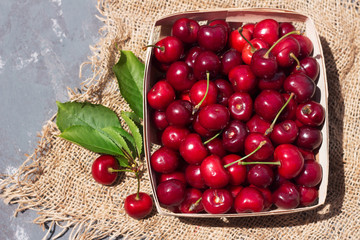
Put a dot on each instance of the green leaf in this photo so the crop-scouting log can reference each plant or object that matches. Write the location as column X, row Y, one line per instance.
column 129, row 72
column 135, row 132
column 92, row 140
column 85, row 114
column 123, row 162
column 115, row 134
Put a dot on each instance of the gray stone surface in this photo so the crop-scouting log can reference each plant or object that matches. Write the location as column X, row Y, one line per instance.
column 42, row 44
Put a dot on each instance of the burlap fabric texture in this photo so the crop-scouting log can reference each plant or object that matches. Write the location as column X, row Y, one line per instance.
column 56, row 182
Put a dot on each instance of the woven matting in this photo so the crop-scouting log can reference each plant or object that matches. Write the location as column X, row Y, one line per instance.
column 56, row 179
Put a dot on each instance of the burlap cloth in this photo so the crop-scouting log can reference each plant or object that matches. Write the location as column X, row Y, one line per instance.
column 56, row 182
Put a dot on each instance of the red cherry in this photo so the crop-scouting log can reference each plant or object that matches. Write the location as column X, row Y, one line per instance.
column 192, row 195
column 216, row 147
column 252, row 141
column 168, row 49
column 268, row 103
column 310, row 175
column 221, row 22
column 138, row 206
column 173, row 175
column 206, row 61
column 306, row 46
column 240, row 106
column 249, row 200
column 289, row 111
column 236, row 41
column 212, row 38
column 285, row 27
column 236, row 172
column 301, row 85
column 308, row 66
column 173, row 136
column 213, row 172
column 164, row 160
column 250, row 27
column 193, row 177
column 179, row 113
column 102, row 167
column 267, row 197
column 268, row 30
column 192, row 55
column 308, row 195
column 186, row 30
column 160, row 95
column 180, row 76
column 229, row 60
column 291, row 160
column 284, row 132
column 198, row 128
column 309, row 138
column 273, row 83
column 286, row 196
column 257, row 125
column 284, row 50
column 192, row 149
column 263, row 63
column 225, row 90
column 310, row 113
column 242, row 78
column 260, row 175
column 233, row 136
column 307, row 154
column 160, row 121
column 198, row 91
column 248, row 51
column 214, row 117
column 217, row 201
column 171, row 192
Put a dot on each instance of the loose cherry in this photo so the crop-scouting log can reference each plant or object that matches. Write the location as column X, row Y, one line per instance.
column 306, row 46
column 273, row 83
column 285, row 27
column 267, row 196
column 164, row 160
column 198, row 91
column 286, row 51
column 198, row 128
column 263, row 63
column 250, row 47
column 221, row 22
column 284, row 132
column 213, row 172
column 252, row 142
column 310, row 175
column 104, row 169
column 289, row 112
column 268, row 103
column 172, row 136
column 217, row 201
column 249, row 200
column 192, row 149
column 257, row 125
column 191, row 55
column 161, row 95
column 173, row 175
column 138, row 205
column 215, row 146
column 186, row 30
column 171, row 192
column 236, row 172
column 309, row 66
column 250, row 27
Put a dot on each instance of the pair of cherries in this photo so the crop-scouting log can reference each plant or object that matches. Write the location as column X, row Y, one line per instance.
column 223, row 94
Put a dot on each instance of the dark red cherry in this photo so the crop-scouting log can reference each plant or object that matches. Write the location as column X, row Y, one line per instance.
column 252, row 141
column 236, row 41
column 180, row 76
column 284, row 132
column 283, row 50
column 273, row 83
column 310, row 175
column 268, row 103
column 309, row 66
column 186, row 30
column 308, row 195
column 179, row 113
column 291, row 160
column 173, row 136
column 260, row 175
column 229, row 60
column 173, row 175
column 225, row 90
column 240, row 106
column 192, row 195
column 214, row 117
column 301, row 85
column 289, row 112
column 285, row 27
column 267, row 196
column 286, row 196
column 192, row 149
column 306, row 46
column 171, row 192
column 217, row 201
column 161, row 95
column 268, row 30
column 193, row 177
column 236, row 172
column 168, row 49
column 216, row 147
column 263, row 64
column 160, row 121
column 257, row 125
column 221, row 22
column 213, row 172
column 310, row 113
column 309, row 138
column 212, row 38
column 198, row 128
column 207, row 61
column 307, row 154
column 164, row 160
column 248, row 51
column 249, row 200
column 192, row 55
column 233, row 136
column 198, row 91
column 242, row 78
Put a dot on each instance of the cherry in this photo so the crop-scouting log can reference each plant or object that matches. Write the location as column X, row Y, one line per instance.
column 307, row 154
column 191, row 55
column 212, row 38
column 230, row 59
column 160, row 95
column 206, row 61
column 306, row 46
column 235, row 190
column 198, row 91
column 289, row 112
column 273, row 83
column 214, row 117
column 291, row 160
column 160, row 121
column 260, row 175
column 309, row 138
column 224, row 91
column 236, row 172
column 213, row 172
column 221, row 22
column 164, row 160
column 171, row 192
column 284, row 132
column 104, row 169
column 191, row 203
column 240, row 106
column 308, row 195
column 267, row 196
column 309, row 66
column 193, row 176
column 237, row 41
column 173, row 175
column 173, row 136
column 138, row 205
column 168, row 49
column 257, row 125
column 192, row 149
column 310, row 175
column 249, row 200
column 180, row 76
column 250, row 27
column 198, row 128
column 268, row 103
column 186, row 30
column 215, row 146
column 233, row 136
column 217, row 201
column 285, row 50
column 263, row 63
column 268, row 30
column 252, row 141
column 301, row 85
column 179, row 113
column 285, row 27
column 310, row 113
column 249, row 49
column 286, row 196
column 242, row 78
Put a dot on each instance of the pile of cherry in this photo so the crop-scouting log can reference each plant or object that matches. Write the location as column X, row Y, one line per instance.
column 238, row 121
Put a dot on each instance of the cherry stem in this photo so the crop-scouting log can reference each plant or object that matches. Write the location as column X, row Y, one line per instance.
column 298, row 66
column 196, row 108
column 268, row 163
column 239, row 161
column 253, row 49
column 138, row 187
column 271, row 48
column 155, row 46
column 210, row 139
column 194, row 205
column 270, row 129
column 111, row 170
